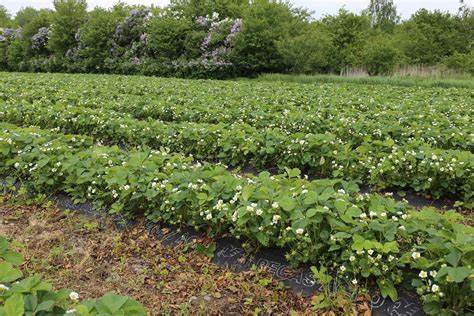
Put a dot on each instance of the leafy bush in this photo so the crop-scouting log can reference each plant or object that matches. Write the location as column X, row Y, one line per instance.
column 379, row 57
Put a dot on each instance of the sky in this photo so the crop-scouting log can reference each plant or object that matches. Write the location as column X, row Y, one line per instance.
column 320, row 7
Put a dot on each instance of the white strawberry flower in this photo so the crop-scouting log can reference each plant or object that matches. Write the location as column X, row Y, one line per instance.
column 74, row 296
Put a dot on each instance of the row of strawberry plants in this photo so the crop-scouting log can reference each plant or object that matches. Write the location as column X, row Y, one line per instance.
column 382, row 164
column 31, row 295
column 438, row 117
column 361, row 237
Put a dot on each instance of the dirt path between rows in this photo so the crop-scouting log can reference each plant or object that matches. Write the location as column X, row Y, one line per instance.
column 93, row 257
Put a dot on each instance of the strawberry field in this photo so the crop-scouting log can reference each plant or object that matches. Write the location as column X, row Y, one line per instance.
column 172, row 150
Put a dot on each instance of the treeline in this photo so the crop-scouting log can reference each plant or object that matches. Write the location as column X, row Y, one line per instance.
column 229, row 38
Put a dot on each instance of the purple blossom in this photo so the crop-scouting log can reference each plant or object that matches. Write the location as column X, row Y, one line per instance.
column 235, row 28
column 201, row 21
column 135, row 61
column 206, row 43
column 77, row 36
column 39, row 40
column 7, row 32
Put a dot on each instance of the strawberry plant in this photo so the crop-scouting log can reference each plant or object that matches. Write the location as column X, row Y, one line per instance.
column 362, row 236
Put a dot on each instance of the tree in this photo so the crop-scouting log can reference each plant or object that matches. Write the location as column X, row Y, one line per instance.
column 264, row 24
column 309, row 52
column 379, row 56
column 194, row 8
column 349, row 31
column 68, row 17
column 96, row 35
column 5, row 20
column 25, row 15
column 167, row 37
column 429, row 37
column 384, row 14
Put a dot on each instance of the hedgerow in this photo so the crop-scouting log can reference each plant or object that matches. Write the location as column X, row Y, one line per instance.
column 326, row 222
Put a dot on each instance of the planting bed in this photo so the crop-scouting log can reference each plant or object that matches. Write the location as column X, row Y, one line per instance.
column 340, row 135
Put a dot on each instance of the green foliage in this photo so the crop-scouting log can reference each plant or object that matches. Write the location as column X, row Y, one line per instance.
column 320, row 221
column 379, row 56
column 96, row 34
column 68, row 17
column 228, row 38
column 168, row 38
column 207, row 251
column 25, row 16
column 461, row 62
column 265, row 23
column 461, row 81
column 5, row 18
column 308, row 52
column 417, row 154
column 348, row 30
column 384, row 14
column 428, row 37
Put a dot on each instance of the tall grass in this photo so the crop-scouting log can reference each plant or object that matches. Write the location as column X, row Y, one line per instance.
column 459, row 81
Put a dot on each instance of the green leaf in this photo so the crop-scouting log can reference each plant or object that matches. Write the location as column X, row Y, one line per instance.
column 206, row 251
column 293, row 173
column 432, row 308
column 247, row 192
column 311, row 212
column 110, row 303
column 341, row 206
column 8, row 273
column 45, row 306
column 387, row 289
column 13, row 257
column 31, row 301
column 311, row 198
column 43, row 162
column 368, row 244
column 263, row 238
column 453, row 258
column 358, row 244
column 14, row 305
column 342, row 235
column 376, row 226
column 287, row 203
column 353, row 211
column 390, row 247
column 459, row 274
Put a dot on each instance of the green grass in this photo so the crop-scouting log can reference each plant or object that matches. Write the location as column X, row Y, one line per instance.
column 457, row 82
